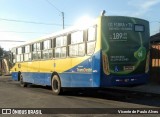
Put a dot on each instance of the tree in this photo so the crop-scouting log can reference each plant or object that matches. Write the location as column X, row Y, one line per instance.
column 1, row 52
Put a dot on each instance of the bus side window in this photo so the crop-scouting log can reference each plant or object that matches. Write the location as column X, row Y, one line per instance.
column 77, row 46
column 91, row 40
column 39, row 50
column 36, row 54
column 22, row 55
column 19, row 55
column 13, row 58
column 13, row 55
column 53, row 46
column 61, row 47
column 50, row 50
column 47, row 51
column 27, row 53
column 68, row 43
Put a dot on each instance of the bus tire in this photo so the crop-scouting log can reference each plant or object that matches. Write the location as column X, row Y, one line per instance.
column 56, row 85
column 22, row 84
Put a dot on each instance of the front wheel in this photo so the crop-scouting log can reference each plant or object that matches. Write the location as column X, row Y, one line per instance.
column 22, row 84
column 56, row 85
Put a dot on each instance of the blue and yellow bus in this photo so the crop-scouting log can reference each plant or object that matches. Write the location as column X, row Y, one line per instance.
column 114, row 51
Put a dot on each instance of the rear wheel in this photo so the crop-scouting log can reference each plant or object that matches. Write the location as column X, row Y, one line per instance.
column 56, row 85
column 22, row 83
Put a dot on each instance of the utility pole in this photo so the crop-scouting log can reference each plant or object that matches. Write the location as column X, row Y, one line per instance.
column 63, row 18
column 58, row 11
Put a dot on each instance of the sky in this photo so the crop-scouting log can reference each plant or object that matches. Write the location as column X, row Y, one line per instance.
column 45, row 16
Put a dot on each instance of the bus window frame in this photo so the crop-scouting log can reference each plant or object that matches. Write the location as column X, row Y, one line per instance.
column 21, row 54
column 72, row 44
column 14, row 55
column 64, row 35
column 78, row 50
column 60, row 52
column 50, row 48
column 55, row 46
column 95, row 41
column 30, row 52
column 77, row 31
column 40, row 50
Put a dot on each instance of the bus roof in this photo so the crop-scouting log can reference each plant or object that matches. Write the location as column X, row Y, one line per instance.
column 56, row 34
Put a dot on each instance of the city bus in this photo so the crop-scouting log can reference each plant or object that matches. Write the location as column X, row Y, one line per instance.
column 113, row 51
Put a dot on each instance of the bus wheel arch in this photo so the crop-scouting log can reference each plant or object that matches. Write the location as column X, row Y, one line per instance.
column 56, row 84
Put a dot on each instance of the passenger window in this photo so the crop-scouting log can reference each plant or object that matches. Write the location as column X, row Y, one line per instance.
column 18, row 58
column 57, row 52
column 77, row 46
column 34, row 47
column 90, row 48
column 73, row 50
column 38, row 46
column 36, row 54
column 27, row 54
column 19, row 54
column 77, row 37
column 27, row 49
column 19, row 50
column 13, row 55
column 61, row 47
column 91, row 44
column 47, row 51
column 63, row 52
column 46, row 44
column 91, row 34
column 61, row 41
column 81, row 49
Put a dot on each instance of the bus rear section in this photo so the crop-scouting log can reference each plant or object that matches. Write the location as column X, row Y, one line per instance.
column 125, row 51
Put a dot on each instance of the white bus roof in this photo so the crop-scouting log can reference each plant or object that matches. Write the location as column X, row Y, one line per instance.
column 58, row 33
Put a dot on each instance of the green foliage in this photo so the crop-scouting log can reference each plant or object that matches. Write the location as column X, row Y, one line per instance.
column 1, row 52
